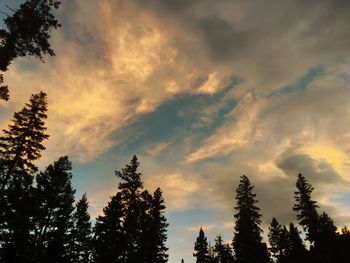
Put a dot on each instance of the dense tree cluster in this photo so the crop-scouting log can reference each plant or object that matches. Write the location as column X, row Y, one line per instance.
column 325, row 244
column 40, row 221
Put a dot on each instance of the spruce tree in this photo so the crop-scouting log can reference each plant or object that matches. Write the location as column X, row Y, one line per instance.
column 222, row 252
column 81, row 234
column 109, row 237
column 201, row 248
column 55, row 206
column 247, row 237
column 275, row 238
column 326, row 238
column 20, row 146
column 306, row 208
column 155, row 231
column 296, row 249
column 286, row 245
column 21, row 143
column 131, row 189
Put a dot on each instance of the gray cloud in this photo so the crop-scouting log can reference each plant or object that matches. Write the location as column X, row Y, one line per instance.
column 316, row 171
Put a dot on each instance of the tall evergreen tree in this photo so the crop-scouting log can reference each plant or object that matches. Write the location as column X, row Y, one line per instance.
column 109, row 235
column 296, row 248
column 222, row 252
column 131, row 189
column 27, row 32
column 286, row 246
column 155, row 231
column 53, row 222
column 20, row 146
column 325, row 247
column 275, row 238
column 81, row 234
column 247, row 239
column 306, row 208
column 201, row 248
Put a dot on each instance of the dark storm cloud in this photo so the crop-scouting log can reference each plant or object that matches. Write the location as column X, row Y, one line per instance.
column 315, row 171
column 228, row 28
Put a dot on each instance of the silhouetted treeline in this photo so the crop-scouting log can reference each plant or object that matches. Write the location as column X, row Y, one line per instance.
column 40, row 221
column 325, row 244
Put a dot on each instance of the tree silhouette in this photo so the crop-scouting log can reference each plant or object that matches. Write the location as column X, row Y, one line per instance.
column 53, row 222
column 222, row 252
column 296, row 248
column 131, row 189
column 20, row 146
column 154, row 231
column 306, row 208
column 201, row 248
column 276, row 237
column 81, row 235
column 109, row 235
column 286, row 246
column 27, row 32
column 247, row 239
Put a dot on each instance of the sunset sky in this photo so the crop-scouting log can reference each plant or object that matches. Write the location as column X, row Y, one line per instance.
column 202, row 92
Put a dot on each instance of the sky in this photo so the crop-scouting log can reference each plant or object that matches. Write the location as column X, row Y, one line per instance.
column 202, row 92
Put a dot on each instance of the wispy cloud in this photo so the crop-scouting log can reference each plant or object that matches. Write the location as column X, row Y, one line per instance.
column 240, row 129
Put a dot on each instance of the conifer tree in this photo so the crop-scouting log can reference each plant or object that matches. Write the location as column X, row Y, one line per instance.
column 286, row 246
column 154, row 231
column 27, row 32
column 109, row 240
column 131, row 189
column 222, row 252
column 327, row 229
column 296, row 250
column 53, row 221
column 201, row 248
column 325, row 247
column 81, row 234
column 306, row 208
column 275, row 238
column 247, row 239
column 20, row 146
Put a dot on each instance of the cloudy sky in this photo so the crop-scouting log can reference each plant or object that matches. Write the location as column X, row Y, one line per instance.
column 202, row 92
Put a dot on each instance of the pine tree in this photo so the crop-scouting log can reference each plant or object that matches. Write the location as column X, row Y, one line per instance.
column 53, row 221
column 22, row 142
column 27, row 32
column 81, row 234
column 109, row 238
column 247, row 239
column 286, row 246
column 326, row 238
column 201, row 248
column 296, row 249
column 275, row 238
column 306, row 208
column 327, row 229
column 222, row 252
column 20, row 146
column 155, row 231
column 131, row 189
